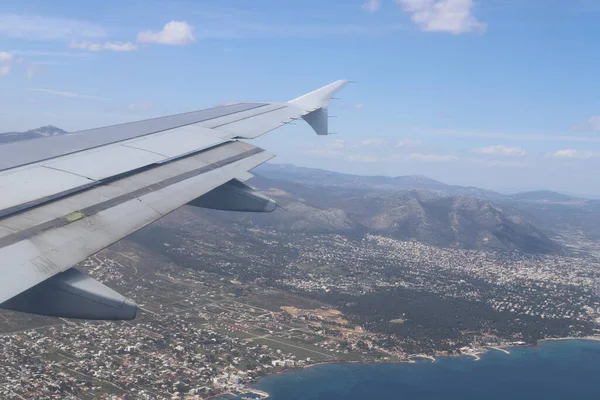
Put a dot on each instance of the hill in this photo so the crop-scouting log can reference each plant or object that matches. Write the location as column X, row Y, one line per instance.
column 43, row 131
column 317, row 177
column 421, row 215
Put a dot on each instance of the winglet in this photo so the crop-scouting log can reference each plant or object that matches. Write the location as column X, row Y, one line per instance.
column 315, row 105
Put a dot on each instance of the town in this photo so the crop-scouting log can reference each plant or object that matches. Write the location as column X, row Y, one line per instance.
column 217, row 313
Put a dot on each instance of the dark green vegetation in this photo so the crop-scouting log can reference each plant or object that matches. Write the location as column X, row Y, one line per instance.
column 435, row 322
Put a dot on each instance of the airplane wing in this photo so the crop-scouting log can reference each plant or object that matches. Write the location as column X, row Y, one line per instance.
column 64, row 198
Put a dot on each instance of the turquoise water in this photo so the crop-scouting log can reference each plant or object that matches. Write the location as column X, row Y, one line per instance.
column 553, row 370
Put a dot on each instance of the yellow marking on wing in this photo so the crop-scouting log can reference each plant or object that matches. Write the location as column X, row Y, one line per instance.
column 74, row 216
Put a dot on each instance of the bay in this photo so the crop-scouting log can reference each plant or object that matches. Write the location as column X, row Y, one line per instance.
column 568, row 369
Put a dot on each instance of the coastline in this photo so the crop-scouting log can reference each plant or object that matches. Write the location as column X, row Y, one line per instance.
column 476, row 355
column 592, row 338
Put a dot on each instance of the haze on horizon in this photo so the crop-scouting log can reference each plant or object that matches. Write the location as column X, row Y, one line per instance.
column 495, row 94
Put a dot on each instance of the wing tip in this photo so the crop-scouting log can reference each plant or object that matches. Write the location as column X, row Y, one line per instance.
column 319, row 98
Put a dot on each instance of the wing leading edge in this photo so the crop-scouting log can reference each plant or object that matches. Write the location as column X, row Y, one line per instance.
column 66, row 199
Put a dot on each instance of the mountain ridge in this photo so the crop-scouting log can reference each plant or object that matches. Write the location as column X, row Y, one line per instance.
column 319, row 177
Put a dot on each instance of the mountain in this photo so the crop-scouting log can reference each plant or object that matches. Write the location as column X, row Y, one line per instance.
column 547, row 196
column 43, row 131
column 318, row 177
column 572, row 220
column 456, row 221
column 421, row 215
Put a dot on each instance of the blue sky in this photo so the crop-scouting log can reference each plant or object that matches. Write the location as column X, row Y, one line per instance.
column 501, row 94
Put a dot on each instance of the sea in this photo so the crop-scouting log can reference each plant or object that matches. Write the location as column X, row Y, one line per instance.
column 566, row 369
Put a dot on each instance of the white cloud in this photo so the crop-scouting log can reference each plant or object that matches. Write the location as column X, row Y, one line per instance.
column 432, row 157
column 6, row 58
column 591, row 124
column 497, row 163
column 140, row 106
column 173, row 33
column 571, row 153
column 405, row 143
column 120, row 46
column 313, row 31
column 32, row 70
column 371, row 143
column 40, row 53
column 500, row 150
column 375, row 150
column 453, row 16
column 337, row 144
column 340, row 155
column 362, row 158
column 68, row 94
column 358, row 106
column 371, row 5
column 111, row 46
column 501, row 135
column 47, row 28
column 328, row 153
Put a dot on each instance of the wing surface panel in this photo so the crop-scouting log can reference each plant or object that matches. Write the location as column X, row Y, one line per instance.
column 105, row 162
column 33, row 183
column 176, row 142
column 25, row 152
